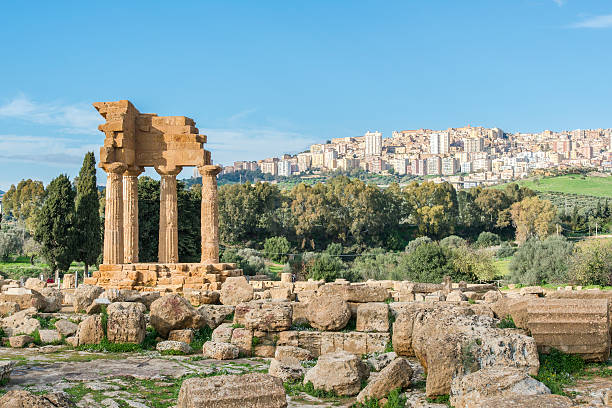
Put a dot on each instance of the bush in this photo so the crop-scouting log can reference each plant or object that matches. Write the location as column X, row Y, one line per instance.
column 327, row 267
column 538, row 262
column 247, row 260
column 377, row 264
column 429, row 262
column 473, row 264
column 487, row 239
column 11, row 243
column 505, row 250
column 334, row 249
column 276, row 249
column 591, row 263
column 453, row 242
column 415, row 243
column 558, row 369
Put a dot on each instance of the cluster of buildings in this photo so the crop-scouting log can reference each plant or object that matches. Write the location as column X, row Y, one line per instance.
column 466, row 156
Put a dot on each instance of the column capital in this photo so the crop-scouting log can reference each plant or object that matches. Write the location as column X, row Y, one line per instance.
column 115, row 167
column 133, row 171
column 209, row 170
column 166, row 170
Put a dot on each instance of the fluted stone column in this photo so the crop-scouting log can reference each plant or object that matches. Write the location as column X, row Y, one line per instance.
column 168, row 215
column 210, row 214
column 130, row 214
column 113, row 218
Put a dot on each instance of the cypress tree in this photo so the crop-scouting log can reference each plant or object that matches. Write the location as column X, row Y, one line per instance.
column 87, row 221
column 54, row 228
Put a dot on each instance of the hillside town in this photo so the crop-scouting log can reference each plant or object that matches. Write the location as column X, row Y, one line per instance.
column 466, row 157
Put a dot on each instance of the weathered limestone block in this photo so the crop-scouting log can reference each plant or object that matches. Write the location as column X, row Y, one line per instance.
column 282, row 293
column 574, row 326
column 21, row 322
column 250, row 390
column 373, row 317
column 288, row 338
column 126, row 322
column 173, row 345
column 469, row 390
column 20, row 341
column 243, row 339
column 25, row 298
column 448, row 345
column 84, row 296
column 356, row 343
column 53, row 299
column 492, row 296
column 8, row 308
column 214, row 315
column 395, row 375
column 49, row 336
column 339, row 372
column 5, row 370
column 332, row 342
column 35, row 283
column 456, row 296
column 513, row 307
column 274, row 316
column 532, row 290
column 298, row 353
column 202, row 297
column 358, row 293
column 23, row 399
column 264, row 350
column 68, row 281
column 528, row 401
column 379, row 361
column 328, row 313
column 220, row 351
column 311, row 341
column 377, row 342
column 223, row 333
column 287, row 369
column 173, row 312
column 66, row 328
column 236, row 290
column 90, row 330
column 185, row 336
column 299, row 315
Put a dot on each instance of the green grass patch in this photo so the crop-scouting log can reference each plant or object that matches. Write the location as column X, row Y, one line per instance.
column 395, row 399
column 294, row 388
column 570, row 184
column 506, row 323
column 440, row 399
column 502, row 266
column 559, row 370
column 200, row 337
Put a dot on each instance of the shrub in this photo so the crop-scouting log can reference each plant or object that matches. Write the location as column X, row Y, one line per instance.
column 429, row 262
column 591, row 263
column 377, row 264
column 558, row 369
column 539, row 262
column 334, row 249
column 473, row 264
column 487, row 239
column 415, row 243
column 247, row 260
column 276, row 249
column 505, row 250
column 327, row 267
column 453, row 242
column 11, row 243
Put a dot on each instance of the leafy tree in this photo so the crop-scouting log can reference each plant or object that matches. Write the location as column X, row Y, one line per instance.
column 541, row 261
column 492, row 203
column 487, row 239
column 453, row 242
column 88, row 230
column 54, row 228
column 10, row 244
column 334, row 249
column 276, row 248
column 148, row 219
column 327, row 268
column 417, row 242
column 473, row 264
column 591, row 263
column 533, row 218
column 376, row 264
column 429, row 262
column 247, row 260
column 189, row 203
column 22, row 202
column 505, row 250
column 435, row 208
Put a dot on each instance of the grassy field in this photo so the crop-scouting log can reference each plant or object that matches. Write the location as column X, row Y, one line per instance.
column 502, row 266
column 571, row 184
column 21, row 267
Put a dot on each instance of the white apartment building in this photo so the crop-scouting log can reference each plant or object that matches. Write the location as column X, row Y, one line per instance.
column 284, row 168
column 473, row 144
column 269, row 168
column 304, row 161
column 399, row 165
column 434, row 165
column 439, row 143
column 329, row 159
column 449, row 166
column 373, row 144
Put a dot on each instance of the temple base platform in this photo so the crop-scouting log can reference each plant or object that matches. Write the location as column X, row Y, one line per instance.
column 158, row 277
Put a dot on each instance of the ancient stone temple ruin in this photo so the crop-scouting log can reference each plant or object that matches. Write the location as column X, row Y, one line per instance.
column 133, row 141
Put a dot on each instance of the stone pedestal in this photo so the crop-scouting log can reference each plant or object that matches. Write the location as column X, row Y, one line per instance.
column 130, row 214
column 210, row 214
column 168, row 215
column 113, row 221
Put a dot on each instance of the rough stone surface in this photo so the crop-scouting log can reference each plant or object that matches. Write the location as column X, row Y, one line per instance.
column 456, row 296
column 8, row 308
column 90, row 330
column 530, row 401
column 273, row 316
column 171, row 345
column 340, row 372
column 84, row 296
column 358, row 292
column 186, row 336
column 53, row 299
column 173, row 312
column 202, row 297
column 21, row 322
column 395, row 375
column 448, row 344
column 49, row 336
column 373, row 317
column 243, row 339
column 287, row 369
column 214, row 315
column 126, row 322
column 380, row 361
column 220, row 351
column 35, row 283
column 20, row 341
column 236, row 290
column 300, row 354
column 25, row 399
column 489, row 382
column 249, row 391
column 328, row 313
column 492, row 296
column 66, row 327
column 223, row 333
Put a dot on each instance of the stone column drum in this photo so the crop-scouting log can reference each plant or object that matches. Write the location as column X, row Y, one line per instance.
column 168, row 215
column 210, row 214
column 130, row 214
column 113, row 221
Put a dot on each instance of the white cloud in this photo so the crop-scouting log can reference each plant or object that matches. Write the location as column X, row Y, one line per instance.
column 63, row 152
column 602, row 21
column 241, row 115
column 75, row 118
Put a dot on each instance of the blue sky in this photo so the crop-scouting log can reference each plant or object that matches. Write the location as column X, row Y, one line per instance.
column 264, row 78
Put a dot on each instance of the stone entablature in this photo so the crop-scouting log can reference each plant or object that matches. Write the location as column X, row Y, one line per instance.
column 160, row 277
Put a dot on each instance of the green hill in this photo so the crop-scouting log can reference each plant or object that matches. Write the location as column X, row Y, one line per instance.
column 571, row 184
